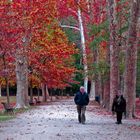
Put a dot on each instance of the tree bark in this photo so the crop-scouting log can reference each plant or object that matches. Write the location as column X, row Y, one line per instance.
column 47, row 93
column 131, row 60
column 22, row 80
column 83, row 49
column 106, row 90
column 22, row 100
column 92, row 90
column 31, row 91
column 114, row 52
column 43, row 92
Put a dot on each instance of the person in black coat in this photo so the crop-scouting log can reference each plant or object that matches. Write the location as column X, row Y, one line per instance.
column 119, row 106
column 81, row 99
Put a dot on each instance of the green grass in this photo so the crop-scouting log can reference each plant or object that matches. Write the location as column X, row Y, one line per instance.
column 7, row 116
column 4, row 116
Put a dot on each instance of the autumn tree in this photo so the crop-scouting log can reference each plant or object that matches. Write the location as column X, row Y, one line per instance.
column 30, row 21
column 131, row 59
column 6, row 46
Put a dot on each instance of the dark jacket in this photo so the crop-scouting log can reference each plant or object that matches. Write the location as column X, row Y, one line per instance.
column 119, row 104
column 81, row 99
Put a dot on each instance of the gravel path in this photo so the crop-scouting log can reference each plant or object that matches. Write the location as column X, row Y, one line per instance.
column 58, row 121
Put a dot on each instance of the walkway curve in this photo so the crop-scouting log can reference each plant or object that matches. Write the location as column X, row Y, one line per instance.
column 58, row 121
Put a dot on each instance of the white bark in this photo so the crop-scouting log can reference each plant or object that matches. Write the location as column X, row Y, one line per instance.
column 92, row 90
column 67, row 26
column 83, row 49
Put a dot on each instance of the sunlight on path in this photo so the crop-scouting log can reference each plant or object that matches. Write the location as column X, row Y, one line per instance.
column 58, row 121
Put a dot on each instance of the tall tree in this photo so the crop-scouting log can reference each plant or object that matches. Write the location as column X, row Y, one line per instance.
column 114, row 51
column 81, row 27
column 131, row 59
column 74, row 8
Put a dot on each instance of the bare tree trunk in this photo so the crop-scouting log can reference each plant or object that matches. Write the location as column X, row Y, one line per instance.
column 100, row 88
column 106, row 94
column 38, row 94
column 22, row 100
column 22, row 80
column 31, row 91
column 131, row 60
column 7, row 90
column 96, row 76
column 92, row 90
column 43, row 92
column 106, row 90
column 47, row 93
column 114, row 52
column 83, row 49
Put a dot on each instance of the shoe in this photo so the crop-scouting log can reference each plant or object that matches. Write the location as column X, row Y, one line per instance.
column 119, row 122
column 83, row 122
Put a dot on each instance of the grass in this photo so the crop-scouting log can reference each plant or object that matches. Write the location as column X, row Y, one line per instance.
column 5, row 117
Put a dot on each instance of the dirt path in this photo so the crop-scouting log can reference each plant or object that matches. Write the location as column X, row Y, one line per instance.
column 58, row 121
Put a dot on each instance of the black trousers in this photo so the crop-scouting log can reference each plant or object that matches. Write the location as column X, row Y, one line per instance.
column 119, row 117
column 81, row 113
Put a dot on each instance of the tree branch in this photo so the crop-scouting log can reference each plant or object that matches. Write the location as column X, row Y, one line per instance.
column 68, row 26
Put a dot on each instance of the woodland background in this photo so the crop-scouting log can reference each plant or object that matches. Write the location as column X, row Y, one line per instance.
column 56, row 46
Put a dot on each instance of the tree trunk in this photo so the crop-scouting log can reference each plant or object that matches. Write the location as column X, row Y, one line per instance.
column 47, row 93
column 43, row 92
column 100, row 88
column 114, row 52
column 92, row 90
column 38, row 94
column 22, row 100
column 106, row 94
column 106, row 90
column 7, row 91
column 83, row 49
column 22, row 80
column 131, row 60
column 31, row 91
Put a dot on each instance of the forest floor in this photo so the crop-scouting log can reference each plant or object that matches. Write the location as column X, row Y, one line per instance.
column 58, row 121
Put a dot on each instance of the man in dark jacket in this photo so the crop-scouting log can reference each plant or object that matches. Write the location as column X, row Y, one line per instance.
column 81, row 100
column 119, row 106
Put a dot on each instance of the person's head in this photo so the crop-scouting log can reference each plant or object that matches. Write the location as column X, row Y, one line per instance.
column 82, row 89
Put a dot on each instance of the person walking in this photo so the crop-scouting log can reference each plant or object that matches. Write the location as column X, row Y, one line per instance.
column 119, row 106
column 81, row 99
